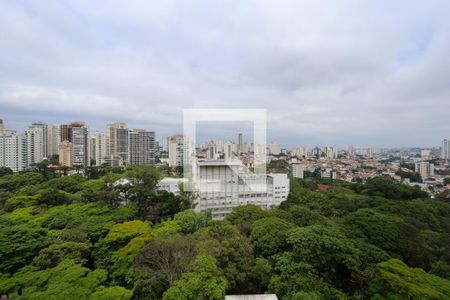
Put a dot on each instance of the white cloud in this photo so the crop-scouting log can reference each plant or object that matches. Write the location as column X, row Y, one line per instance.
column 358, row 72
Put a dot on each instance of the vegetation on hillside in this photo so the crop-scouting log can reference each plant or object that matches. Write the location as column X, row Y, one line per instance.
column 77, row 237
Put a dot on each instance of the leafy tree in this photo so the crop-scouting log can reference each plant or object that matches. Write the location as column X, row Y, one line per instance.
column 18, row 245
column 395, row 280
column 302, row 216
column 412, row 176
column 269, row 235
column 162, row 261
column 111, row 293
column 12, row 183
column 21, row 201
column 379, row 229
column 53, row 196
column 43, row 168
column 202, row 283
column 54, row 254
column 446, row 180
column 5, row 171
column 386, row 187
column 232, row 251
column 336, row 258
column 65, row 281
column 191, row 221
column 246, row 214
column 291, row 279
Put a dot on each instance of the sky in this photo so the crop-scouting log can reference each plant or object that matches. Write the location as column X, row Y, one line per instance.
column 328, row 72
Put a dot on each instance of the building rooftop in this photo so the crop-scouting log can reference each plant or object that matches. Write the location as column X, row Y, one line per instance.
column 252, row 297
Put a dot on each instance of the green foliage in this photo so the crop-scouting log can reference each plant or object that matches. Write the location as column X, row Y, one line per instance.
column 54, row 254
column 18, row 245
column 13, row 183
column 302, row 216
column 5, row 171
column 396, row 280
column 121, row 234
column 111, row 293
column 379, row 229
column 388, row 188
column 246, row 214
column 233, row 252
column 203, row 283
column 75, row 237
column 21, row 201
column 65, row 281
column 269, row 235
column 446, row 180
column 191, row 221
column 163, row 259
column 412, row 176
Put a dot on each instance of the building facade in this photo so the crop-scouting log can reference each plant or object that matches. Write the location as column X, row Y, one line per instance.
column 296, row 170
column 425, row 169
column 177, row 150
column 142, row 147
column 101, row 148
column 66, row 154
column 13, row 151
column 445, row 149
column 225, row 184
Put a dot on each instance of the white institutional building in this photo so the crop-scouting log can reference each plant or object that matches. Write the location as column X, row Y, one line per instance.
column 222, row 185
column 225, row 184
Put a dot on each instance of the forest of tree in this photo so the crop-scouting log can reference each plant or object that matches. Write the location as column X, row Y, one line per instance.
column 76, row 237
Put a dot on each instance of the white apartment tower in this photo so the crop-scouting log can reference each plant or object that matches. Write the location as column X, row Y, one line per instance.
column 296, row 170
column 425, row 169
column 101, row 148
column 275, row 148
column 177, row 150
column 13, row 151
column 118, row 143
column 35, row 137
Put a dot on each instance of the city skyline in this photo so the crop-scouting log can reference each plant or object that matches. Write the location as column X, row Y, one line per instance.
column 230, row 135
column 347, row 73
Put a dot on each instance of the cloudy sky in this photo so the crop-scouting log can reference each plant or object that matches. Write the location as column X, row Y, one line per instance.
column 337, row 72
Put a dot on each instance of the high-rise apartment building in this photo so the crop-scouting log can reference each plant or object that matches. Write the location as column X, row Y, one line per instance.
column 445, row 149
column 36, row 144
column 66, row 154
column 177, row 150
column 275, row 148
column 142, row 147
column 2, row 127
column 52, row 140
column 165, row 143
column 13, row 151
column 117, row 143
column 65, row 133
column 101, row 148
column 296, row 170
column 241, row 146
column 92, row 150
column 78, row 135
column 50, row 135
column 80, row 144
column 230, row 149
column 425, row 169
